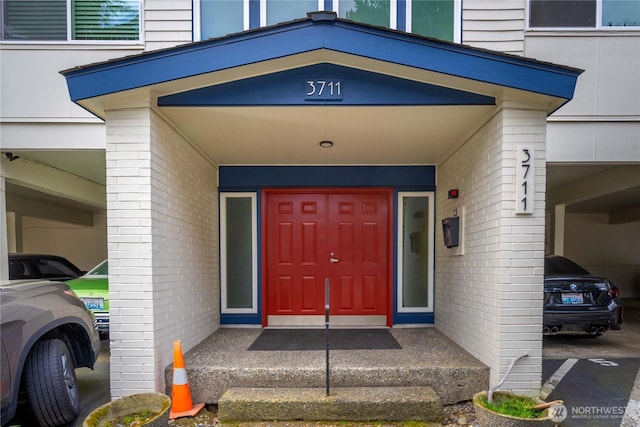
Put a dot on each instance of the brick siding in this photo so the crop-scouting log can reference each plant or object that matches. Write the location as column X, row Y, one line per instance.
column 162, row 244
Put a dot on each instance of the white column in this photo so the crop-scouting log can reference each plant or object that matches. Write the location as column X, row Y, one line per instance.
column 489, row 300
column 163, row 247
column 129, row 246
column 558, row 229
column 4, row 252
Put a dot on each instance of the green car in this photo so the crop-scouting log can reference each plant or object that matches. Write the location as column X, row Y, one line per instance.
column 93, row 289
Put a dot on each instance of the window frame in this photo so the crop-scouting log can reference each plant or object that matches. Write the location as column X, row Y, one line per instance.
column 430, row 245
column 597, row 27
column 70, row 41
column 224, row 309
column 394, row 10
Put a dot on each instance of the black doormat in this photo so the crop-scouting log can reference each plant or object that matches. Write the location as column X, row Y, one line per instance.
column 315, row 339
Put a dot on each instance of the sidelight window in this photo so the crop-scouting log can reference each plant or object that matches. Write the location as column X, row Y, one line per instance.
column 415, row 251
column 238, row 253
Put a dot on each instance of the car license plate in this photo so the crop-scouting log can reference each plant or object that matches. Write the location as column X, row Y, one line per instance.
column 94, row 303
column 572, row 298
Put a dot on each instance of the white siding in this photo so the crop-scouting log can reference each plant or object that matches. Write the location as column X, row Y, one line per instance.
column 602, row 122
column 167, row 23
column 488, row 298
column 494, row 24
column 162, row 243
column 33, row 92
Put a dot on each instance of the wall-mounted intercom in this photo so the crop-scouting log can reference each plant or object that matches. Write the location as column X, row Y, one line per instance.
column 451, row 231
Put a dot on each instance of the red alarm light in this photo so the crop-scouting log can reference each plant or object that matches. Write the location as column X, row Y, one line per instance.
column 453, row 193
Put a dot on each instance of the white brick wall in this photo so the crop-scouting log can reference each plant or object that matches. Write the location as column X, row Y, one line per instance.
column 162, row 244
column 489, row 298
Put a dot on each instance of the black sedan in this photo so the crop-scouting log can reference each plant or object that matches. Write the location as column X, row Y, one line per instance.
column 576, row 301
column 40, row 266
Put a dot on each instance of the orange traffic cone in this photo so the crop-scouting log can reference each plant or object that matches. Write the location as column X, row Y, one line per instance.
column 181, row 404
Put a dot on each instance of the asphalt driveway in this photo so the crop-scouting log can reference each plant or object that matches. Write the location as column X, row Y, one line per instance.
column 597, row 378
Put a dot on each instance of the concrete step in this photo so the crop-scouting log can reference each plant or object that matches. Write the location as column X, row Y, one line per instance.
column 342, row 404
column 452, row 383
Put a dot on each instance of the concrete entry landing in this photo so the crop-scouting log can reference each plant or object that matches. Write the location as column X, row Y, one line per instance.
column 427, row 359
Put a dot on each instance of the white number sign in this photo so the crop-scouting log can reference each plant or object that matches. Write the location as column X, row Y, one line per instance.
column 525, row 184
column 318, row 90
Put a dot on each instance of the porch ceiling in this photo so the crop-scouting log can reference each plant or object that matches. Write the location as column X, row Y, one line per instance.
column 361, row 135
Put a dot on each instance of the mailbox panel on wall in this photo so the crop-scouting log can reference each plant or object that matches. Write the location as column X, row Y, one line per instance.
column 451, row 231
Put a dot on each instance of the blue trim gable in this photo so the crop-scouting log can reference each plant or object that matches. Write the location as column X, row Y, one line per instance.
column 322, row 30
column 348, row 86
column 251, row 177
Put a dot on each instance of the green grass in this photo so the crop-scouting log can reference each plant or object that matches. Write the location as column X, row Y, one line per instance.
column 512, row 405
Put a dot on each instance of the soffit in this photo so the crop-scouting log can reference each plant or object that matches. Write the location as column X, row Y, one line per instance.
column 261, row 134
column 290, row 135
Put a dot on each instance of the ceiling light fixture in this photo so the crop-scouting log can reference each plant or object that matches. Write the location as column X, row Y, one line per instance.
column 326, row 144
column 11, row 156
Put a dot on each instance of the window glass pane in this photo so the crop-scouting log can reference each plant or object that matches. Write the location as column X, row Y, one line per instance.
column 35, row 20
column 620, row 13
column 239, row 250
column 432, row 18
column 105, row 19
column 415, row 274
column 374, row 12
column 53, row 268
column 287, row 10
column 562, row 13
column 101, row 270
column 220, row 17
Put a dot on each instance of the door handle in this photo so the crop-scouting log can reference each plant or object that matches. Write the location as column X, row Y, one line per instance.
column 333, row 260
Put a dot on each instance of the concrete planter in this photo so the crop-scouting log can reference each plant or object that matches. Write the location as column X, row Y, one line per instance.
column 489, row 418
column 156, row 403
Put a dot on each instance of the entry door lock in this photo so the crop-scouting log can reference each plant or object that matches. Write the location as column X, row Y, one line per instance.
column 333, row 260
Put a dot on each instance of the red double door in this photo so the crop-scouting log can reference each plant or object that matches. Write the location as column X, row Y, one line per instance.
column 336, row 235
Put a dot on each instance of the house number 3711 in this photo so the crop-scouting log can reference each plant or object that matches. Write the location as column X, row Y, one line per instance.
column 525, row 183
column 323, row 90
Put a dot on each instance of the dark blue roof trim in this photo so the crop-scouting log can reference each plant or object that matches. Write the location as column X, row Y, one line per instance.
column 312, row 34
column 342, row 86
column 244, row 177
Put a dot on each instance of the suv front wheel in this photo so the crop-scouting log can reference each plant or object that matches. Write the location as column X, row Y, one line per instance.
column 51, row 384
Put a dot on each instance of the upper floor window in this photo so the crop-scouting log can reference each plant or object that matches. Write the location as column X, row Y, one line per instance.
column 276, row 11
column 374, row 12
column 584, row 13
column 432, row 18
column 70, row 20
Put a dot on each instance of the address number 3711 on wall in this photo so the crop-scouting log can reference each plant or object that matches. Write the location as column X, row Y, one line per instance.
column 323, row 90
column 525, row 181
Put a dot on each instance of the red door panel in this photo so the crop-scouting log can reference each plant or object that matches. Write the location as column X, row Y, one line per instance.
column 295, row 275
column 358, row 238
column 283, row 294
column 305, row 231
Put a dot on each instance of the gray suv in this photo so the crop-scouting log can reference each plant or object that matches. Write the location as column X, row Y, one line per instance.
column 46, row 332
